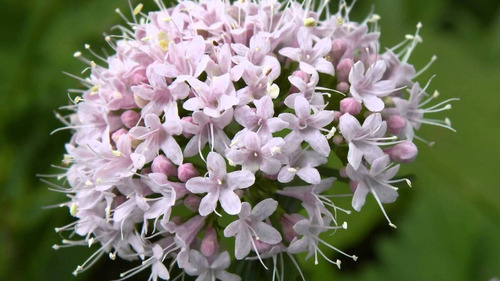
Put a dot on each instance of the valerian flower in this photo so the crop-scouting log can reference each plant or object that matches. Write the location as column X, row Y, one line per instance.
column 219, row 186
column 285, row 93
column 250, row 225
column 369, row 87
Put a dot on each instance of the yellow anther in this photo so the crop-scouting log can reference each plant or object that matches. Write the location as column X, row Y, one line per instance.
column 98, row 181
column 219, row 182
column 93, row 64
column 94, row 88
column 138, row 9
column 77, row 54
column 116, row 153
column 340, row 22
column 309, row 22
column 292, row 170
column 167, row 19
column 147, row 38
column 73, row 209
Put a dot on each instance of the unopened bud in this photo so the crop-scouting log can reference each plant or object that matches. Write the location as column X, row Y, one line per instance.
column 404, row 152
column 395, row 124
column 338, row 50
column 192, row 202
column 351, row 106
column 130, row 118
column 187, row 171
column 116, row 135
column 343, row 87
column 287, row 223
column 209, row 244
column 353, row 185
column 343, row 69
column 161, row 164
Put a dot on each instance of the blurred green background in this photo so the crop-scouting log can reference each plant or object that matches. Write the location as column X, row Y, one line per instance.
column 448, row 223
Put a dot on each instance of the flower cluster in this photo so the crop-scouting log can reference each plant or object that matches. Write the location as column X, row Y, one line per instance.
column 213, row 120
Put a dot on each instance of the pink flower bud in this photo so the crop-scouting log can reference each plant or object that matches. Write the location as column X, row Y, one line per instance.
column 130, row 118
column 404, row 152
column 395, row 124
column 338, row 49
column 161, row 164
column 190, row 120
column 302, row 75
column 116, row 135
column 337, row 115
column 192, row 202
column 343, row 172
column 343, row 87
column 261, row 246
column 287, row 223
column 209, row 244
column 350, row 105
column 343, row 69
column 146, row 171
column 187, row 171
column 338, row 139
column 139, row 77
column 353, row 185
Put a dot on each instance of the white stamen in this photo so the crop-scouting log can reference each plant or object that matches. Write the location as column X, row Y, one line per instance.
column 331, row 133
column 77, row 54
column 408, row 182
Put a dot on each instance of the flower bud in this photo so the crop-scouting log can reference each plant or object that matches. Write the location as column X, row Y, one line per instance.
column 337, row 115
column 209, row 244
column 395, row 124
column 261, row 246
column 116, row 135
column 187, row 171
column 287, row 223
column 343, row 69
column 353, row 185
column 404, row 152
column 343, row 172
column 139, row 77
column 302, row 75
column 338, row 49
column 188, row 119
column 192, row 202
column 350, row 105
column 161, row 164
column 343, row 87
column 130, row 118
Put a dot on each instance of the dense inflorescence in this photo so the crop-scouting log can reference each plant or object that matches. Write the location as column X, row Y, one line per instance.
column 216, row 120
